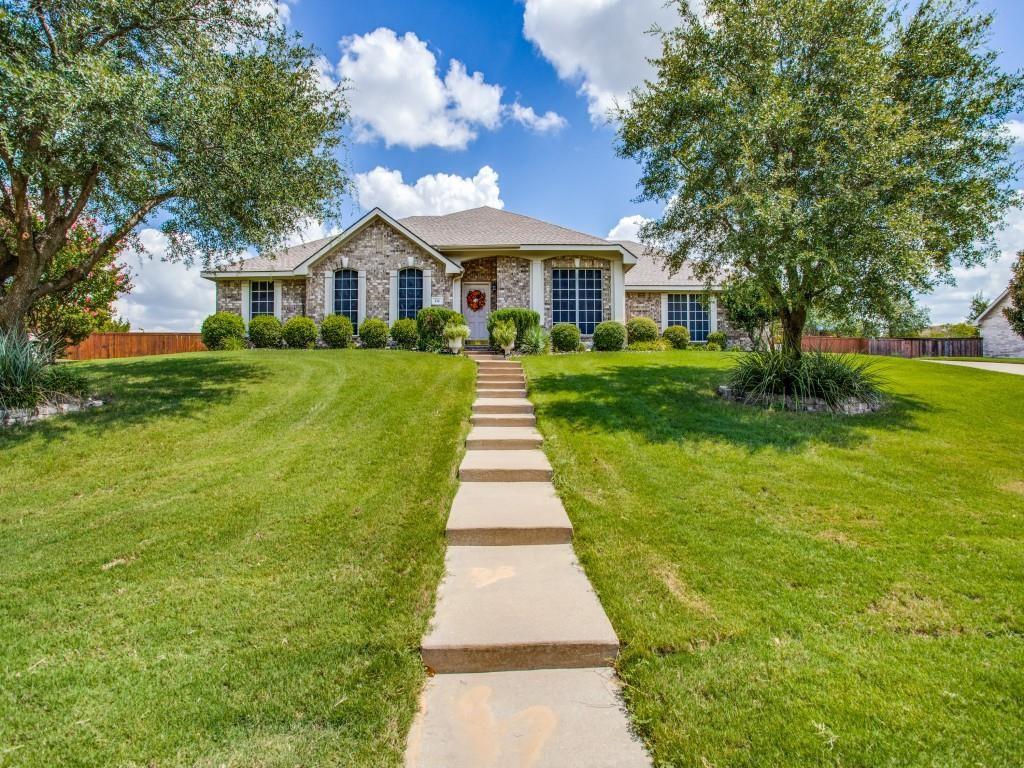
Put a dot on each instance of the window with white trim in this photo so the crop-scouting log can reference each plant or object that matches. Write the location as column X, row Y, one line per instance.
column 410, row 293
column 346, row 295
column 690, row 310
column 261, row 298
column 576, row 297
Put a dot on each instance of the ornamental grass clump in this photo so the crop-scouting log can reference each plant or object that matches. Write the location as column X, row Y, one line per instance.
column 28, row 376
column 764, row 377
column 535, row 342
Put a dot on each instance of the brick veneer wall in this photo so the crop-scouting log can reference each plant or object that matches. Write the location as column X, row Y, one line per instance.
column 293, row 299
column 997, row 337
column 483, row 270
column 378, row 250
column 643, row 304
column 229, row 296
column 569, row 262
column 513, row 282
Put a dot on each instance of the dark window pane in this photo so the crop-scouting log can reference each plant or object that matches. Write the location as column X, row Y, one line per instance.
column 689, row 309
column 346, row 295
column 261, row 298
column 410, row 293
column 589, row 289
column 563, row 296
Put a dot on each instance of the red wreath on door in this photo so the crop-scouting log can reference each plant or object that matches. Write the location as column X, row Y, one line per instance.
column 476, row 300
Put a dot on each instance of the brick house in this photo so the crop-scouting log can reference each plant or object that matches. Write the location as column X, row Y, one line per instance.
column 474, row 262
column 997, row 337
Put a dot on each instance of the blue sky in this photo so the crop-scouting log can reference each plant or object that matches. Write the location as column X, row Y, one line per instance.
column 458, row 103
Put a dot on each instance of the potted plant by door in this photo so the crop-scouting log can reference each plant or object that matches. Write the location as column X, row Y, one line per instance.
column 504, row 334
column 455, row 334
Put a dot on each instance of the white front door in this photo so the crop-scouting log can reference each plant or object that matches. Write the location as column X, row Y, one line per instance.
column 476, row 306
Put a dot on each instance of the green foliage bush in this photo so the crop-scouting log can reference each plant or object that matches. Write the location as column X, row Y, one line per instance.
column 610, row 336
column 430, row 323
column 712, row 346
column 221, row 326
column 659, row 345
column 641, row 329
column 405, row 334
column 265, row 332
column 719, row 338
column 232, row 344
column 678, row 336
column 28, row 376
column 535, row 342
column 565, row 337
column 523, row 320
column 336, row 331
column 762, row 376
column 300, row 333
column 503, row 334
column 373, row 333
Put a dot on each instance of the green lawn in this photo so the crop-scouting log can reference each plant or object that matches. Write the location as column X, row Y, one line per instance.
column 230, row 564
column 981, row 359
column 797, row 589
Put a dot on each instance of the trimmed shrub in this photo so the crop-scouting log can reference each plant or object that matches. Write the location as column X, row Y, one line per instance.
column 220, row 326
column 610, row 336
column 503, row 334
column 336, row 331
column 535, row 342
column 712, row 346
column 641, row 329
column 678, row 336
column 659, row 345
column 719, row 338
column 373, row 333
column 565, row 337
column 523, row 320
column 233, row 345
column 300, row 333
column 62, row 381
column 265, row 332
column 405, row 334
column 762, row 376
column 430, row 323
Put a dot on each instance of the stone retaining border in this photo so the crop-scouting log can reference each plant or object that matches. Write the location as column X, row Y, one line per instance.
column 850, row 407
column 22, row 416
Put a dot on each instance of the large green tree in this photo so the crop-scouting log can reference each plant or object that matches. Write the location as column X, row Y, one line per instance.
column 203, row 114
column 1014, row 313
column 845, row 154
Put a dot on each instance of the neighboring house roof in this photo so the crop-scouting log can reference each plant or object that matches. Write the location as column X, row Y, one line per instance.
column 993, row 306
column 652, row 273
column 488, row 227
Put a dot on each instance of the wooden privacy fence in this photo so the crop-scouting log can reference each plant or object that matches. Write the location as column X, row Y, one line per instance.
column 894, row 347
column 101, row 346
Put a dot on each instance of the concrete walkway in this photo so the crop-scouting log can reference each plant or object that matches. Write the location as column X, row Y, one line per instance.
column 520, row 647
column 1014, row 368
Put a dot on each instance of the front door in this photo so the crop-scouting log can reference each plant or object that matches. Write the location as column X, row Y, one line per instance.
column 476, row 306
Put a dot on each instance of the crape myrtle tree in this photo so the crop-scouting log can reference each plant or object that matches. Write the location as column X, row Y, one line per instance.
column 204, row 114
column 1014, row 313
column 845, row 154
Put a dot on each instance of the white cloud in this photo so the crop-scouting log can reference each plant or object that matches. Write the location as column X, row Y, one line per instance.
column 601, row 44
column 548, row 122
column 167, row 296
column 281, row 9
column 475, row 101
column 1016, row 130
column 628, row 228
column 435, row 194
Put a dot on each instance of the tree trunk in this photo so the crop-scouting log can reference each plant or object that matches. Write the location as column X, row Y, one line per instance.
column 16, row 301
column 793, row 321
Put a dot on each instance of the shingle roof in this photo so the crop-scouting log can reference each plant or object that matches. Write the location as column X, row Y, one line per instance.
column 283, row 260
column 652, row 271
column 486, row 226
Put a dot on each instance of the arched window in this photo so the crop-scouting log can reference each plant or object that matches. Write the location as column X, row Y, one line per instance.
column 346, row 295
column 410, row 293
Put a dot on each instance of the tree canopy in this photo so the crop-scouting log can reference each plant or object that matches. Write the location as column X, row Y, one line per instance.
column 845, row 154
column 203, row 112
column 1014, row 313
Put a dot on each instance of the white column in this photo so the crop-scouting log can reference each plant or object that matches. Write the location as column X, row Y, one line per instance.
column 361, row 296
column 328, row 294
column 457, row 294
column 393, row 298
column 664, row 311
column 618, row 292
column 426, row 287
column 277, row 299
column 713, row 313
column 245, row 302
column 537, row 288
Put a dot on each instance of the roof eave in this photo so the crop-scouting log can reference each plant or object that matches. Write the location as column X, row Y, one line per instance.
column 669, row 288
column 995, row 303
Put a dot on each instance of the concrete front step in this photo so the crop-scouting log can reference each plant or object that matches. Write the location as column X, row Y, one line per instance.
column 503, row 438
column 501, row 378
column 498, row 365
column 503, row 419
column 505, row 466
column 502, row 405
column 503, row 393
column 510, row 383
column 507, row 514
column 520, row 607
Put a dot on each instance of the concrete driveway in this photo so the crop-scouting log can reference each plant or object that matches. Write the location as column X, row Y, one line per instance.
column 1014, row 368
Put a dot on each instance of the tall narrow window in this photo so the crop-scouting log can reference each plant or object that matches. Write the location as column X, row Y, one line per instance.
column 576, row 297
column 410, row 293
column 690, row 309
column 346, row 295
column 261, row 298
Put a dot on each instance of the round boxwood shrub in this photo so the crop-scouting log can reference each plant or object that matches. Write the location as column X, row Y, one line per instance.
column 523, row 319
column 565, row 337
column 430, row 323
column 336, row 331
column 405, row 334
column 641, row 329
column 719, row 338
column 609, row 336
column 221, row 326
column 265, row 332
column 373, row 333
column 300, row 333
column 712, row 346
column 678, row 336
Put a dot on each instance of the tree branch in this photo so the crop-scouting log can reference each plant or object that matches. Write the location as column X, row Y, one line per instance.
column 46, row 30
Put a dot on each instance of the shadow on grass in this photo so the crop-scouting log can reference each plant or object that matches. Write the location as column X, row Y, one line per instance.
column 679, row 403
column 139, row 390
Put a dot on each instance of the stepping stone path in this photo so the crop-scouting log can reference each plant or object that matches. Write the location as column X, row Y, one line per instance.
column 519, row 646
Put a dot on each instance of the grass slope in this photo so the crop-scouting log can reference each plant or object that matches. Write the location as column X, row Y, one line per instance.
column 797, row 589
column 231, row 564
